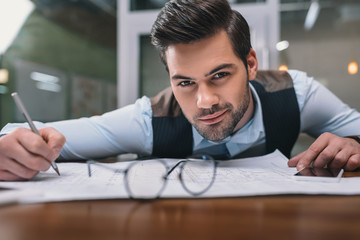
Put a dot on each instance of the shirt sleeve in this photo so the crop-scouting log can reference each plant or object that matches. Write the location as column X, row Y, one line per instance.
column 321, row 111
column 125, row 130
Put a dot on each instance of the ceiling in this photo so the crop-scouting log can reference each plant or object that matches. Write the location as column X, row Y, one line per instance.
column 94, row 19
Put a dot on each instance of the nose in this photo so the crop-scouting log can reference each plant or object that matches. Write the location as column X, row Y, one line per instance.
column 206, row 97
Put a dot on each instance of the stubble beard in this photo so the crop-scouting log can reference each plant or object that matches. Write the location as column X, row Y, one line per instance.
column 223, row 129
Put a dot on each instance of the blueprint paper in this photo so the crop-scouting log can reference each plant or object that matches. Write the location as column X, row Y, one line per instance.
column 256, row 176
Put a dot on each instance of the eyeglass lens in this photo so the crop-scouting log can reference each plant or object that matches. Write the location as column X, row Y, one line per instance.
column 198, row 175
column 141, row 182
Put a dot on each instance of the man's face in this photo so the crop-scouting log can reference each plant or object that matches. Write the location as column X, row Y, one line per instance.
column 211, row 85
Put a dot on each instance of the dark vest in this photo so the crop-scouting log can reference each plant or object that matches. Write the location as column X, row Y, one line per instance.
column 173, row 137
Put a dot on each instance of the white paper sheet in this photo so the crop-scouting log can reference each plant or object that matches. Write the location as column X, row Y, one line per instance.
column 9, row 196
column 265, row 175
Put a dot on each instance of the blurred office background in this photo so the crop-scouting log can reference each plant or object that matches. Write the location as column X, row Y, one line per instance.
column 60, row 55
column 74, row 58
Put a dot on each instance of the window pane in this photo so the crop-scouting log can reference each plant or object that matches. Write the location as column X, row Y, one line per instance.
column 61, row 60
column 153, row 76
column 136, row 5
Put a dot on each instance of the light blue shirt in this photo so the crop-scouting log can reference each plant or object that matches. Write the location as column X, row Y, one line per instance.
column 129, row 129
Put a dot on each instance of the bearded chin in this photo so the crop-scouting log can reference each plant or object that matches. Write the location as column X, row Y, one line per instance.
column 214, row 133
column 225, row 128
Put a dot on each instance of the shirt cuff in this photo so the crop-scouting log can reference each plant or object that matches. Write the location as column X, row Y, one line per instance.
column 355, row 137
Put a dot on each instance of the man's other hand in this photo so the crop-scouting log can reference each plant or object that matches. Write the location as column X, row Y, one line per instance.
column 331, row 150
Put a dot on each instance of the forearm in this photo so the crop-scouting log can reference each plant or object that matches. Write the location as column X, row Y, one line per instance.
column 324, row 112
column 121, row 131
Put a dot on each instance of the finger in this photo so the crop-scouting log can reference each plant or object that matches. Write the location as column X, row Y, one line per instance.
column 35, row 144
column 11, row 150
column 352, row 163
column 293, row 161
column 54, row 139
column 23, row 163
column 312, row 153
column 326, row 156
column 321, row 172
column 27, row 159
column 309, row 155
column 8, row 176
column 12, row 167
column 340, row 159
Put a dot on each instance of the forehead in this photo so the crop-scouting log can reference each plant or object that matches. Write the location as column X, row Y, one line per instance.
column 204, row 53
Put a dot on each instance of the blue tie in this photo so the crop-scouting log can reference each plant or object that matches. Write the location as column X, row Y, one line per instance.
column 218, row 151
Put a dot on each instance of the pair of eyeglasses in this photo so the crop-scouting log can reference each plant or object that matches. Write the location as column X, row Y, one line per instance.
column 147, row 179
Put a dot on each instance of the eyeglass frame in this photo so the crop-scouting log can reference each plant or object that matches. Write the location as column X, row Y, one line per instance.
column 169, row 170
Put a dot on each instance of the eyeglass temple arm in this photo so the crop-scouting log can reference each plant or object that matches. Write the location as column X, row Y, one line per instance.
column 89, row 162
column 173, row 168
column 195, row 157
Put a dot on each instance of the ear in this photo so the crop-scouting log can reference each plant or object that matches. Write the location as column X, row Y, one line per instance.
column 252, row 64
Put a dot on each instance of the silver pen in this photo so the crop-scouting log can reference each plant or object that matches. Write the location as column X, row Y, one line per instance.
column 22, row 109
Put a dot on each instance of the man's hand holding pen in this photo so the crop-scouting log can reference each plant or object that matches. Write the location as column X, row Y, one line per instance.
column 23, row 153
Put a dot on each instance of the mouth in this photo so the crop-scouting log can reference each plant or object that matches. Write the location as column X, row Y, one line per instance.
column 213, row 118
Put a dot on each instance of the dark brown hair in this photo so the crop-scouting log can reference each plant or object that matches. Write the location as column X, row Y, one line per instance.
column 185, row 21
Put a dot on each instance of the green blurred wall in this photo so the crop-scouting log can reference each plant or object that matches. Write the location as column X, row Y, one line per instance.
column 44, row 42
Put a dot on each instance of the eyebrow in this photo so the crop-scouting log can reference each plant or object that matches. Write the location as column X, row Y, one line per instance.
column 177, row 76
column 222, row 66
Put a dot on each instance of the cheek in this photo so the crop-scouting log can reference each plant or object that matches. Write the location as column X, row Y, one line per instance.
column 234, row 94
column 187, row 103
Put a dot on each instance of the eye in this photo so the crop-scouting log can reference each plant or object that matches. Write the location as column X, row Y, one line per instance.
column 185, row 83
column 221, row 75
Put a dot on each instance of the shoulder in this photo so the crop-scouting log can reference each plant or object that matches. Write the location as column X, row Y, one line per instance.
column 304, row 85
column 300, row 77
column 165, row 104
column 273, row 80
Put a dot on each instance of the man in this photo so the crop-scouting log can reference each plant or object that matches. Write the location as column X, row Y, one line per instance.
column 218, row 104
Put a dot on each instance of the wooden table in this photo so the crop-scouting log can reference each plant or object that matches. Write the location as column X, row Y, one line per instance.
column 270, row 217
